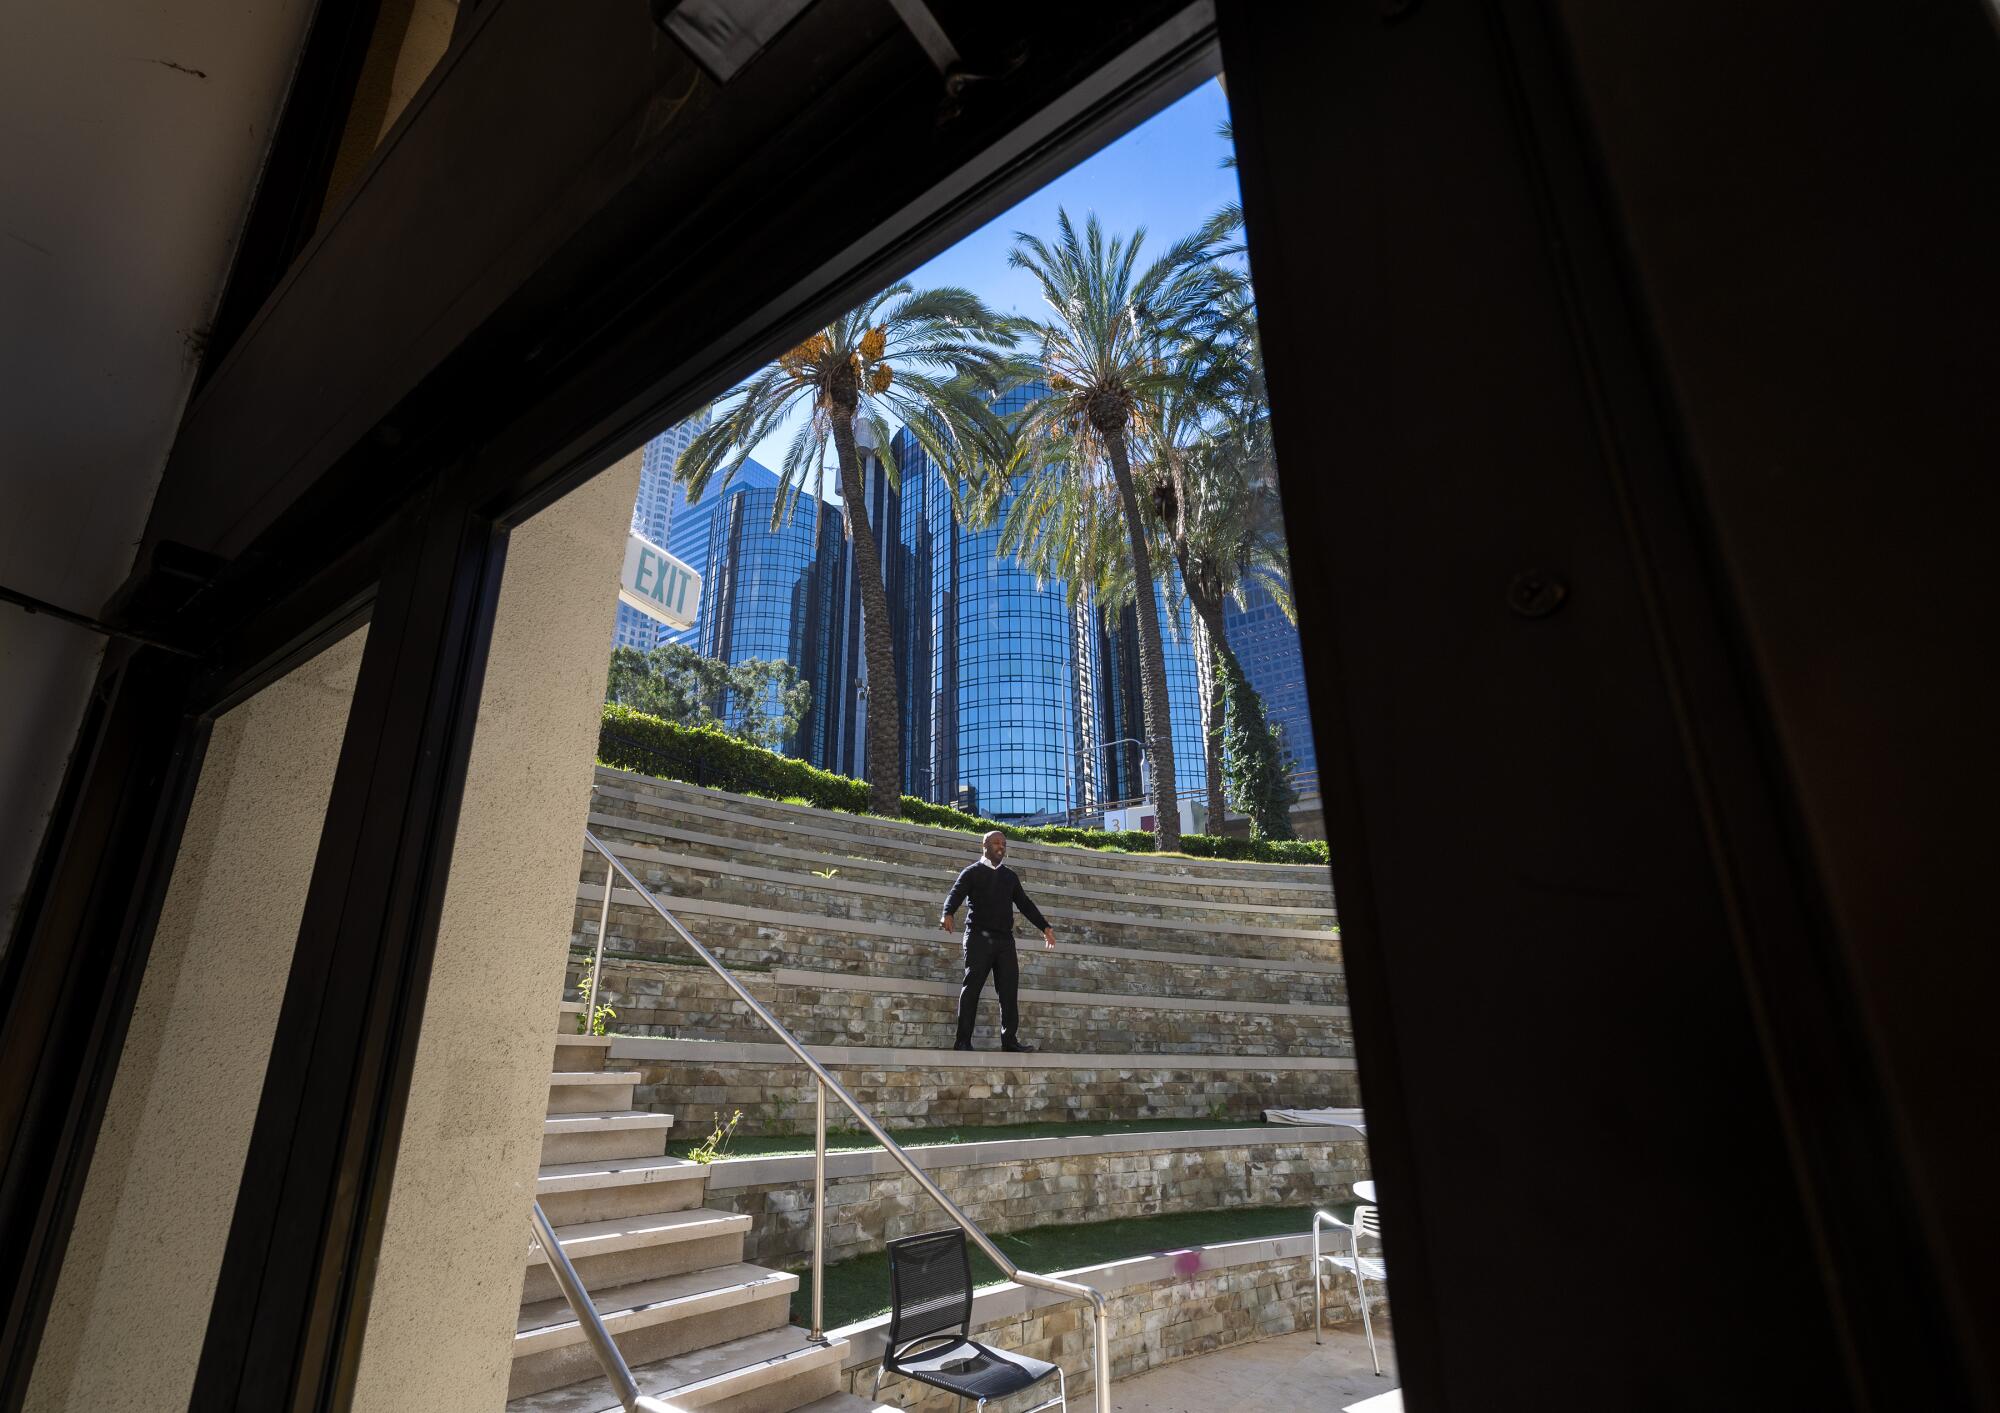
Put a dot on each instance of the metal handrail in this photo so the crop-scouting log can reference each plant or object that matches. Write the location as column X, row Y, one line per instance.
column 615, row 1367
column 1101, row 1316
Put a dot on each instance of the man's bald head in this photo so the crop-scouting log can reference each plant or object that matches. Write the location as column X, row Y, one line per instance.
column 995, row 846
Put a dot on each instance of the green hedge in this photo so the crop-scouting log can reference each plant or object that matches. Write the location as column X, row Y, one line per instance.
column 714, row 759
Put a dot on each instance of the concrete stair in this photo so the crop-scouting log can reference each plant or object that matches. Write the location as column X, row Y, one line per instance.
column 1175, row 898
column 757, row 882
column 916, row 1088
column 753, row 938
column 846, row 1008
column 698, row 1324
column 1183, row 989
column 769, row 1372
column 753, row 818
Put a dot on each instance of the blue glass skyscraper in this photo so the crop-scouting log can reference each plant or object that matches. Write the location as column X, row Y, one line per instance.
column 1121, row 703
column 688, row 532
column 779, row 594
column 1015, row 700
column 989, row 662
column 1267, row 644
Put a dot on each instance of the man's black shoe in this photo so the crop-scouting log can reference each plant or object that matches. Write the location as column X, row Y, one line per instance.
column 961, row 1046
column 1021, row 1048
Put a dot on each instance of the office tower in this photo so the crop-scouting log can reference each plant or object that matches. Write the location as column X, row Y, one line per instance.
column 1016, row 702
column 633, row 629
column 661, row 497
column 780, row 594
column 1267, row 644
column 996, row 672
column 1121, row 704
column 687, row 531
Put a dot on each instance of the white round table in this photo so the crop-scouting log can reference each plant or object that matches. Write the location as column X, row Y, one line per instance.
column 1365, row 1190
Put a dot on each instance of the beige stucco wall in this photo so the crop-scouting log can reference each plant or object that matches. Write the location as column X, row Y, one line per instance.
column 447, row 1289
column 131, row 1304
column 409, row 38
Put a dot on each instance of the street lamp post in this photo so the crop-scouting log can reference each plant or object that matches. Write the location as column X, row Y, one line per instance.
column 1132, row 741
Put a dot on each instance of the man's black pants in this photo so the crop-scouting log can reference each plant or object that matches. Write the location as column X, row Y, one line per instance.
column 990, row 953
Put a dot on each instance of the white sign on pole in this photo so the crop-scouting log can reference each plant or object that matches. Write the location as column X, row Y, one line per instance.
column 658, row 585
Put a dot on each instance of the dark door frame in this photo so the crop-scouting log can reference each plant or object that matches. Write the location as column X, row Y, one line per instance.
column 1577, row 890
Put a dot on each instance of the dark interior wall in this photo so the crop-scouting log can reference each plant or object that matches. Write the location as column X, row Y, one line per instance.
column 1622, row 302
column 1812, row 204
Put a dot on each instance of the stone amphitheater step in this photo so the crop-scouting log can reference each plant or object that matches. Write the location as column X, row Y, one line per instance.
column 843, row 1008
column 1214, row 967
column 602, row 1190
column 1052, row 888
column 1006, row 1184
column 666, row 1275
column 749, row 938
column 707, row 1081
column 650, row 1319
column 641, row 794
column 604, row 1135
column 575, row 1053
column 770, row 1372
column 627, row 1249
column 749, row 884
column 587, row 1091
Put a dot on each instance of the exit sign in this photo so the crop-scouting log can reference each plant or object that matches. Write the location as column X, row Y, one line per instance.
column 658, row 585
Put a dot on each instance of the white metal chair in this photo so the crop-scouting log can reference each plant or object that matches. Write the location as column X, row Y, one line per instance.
column 1367, row 1222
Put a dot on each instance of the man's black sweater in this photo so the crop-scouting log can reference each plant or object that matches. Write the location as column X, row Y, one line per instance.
column 994, row 894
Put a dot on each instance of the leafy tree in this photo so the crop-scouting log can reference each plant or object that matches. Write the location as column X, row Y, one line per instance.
column 672, row 682
column 1100, row 360
column 1257, row 784
column 772, row 700
column 931, row 359
column 676, row 683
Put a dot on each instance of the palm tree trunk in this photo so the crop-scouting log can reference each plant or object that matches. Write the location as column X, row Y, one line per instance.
column 885, row 701
column 1152, row 654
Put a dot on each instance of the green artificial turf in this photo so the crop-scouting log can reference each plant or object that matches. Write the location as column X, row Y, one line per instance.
column 844, row 1139
column 859, row 1287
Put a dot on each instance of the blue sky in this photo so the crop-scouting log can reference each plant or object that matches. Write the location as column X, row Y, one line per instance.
column 1165, row 175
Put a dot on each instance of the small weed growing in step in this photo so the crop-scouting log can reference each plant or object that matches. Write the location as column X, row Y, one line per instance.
column 825, row 872
column 771, row 1116
column 1219, row 1110
column 593, row 1024
column 716, row 1145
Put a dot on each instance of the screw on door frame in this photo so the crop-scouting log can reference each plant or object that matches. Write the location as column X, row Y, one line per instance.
column 1537, row 593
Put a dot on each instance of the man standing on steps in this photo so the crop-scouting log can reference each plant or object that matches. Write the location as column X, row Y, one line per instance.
column 994, row 891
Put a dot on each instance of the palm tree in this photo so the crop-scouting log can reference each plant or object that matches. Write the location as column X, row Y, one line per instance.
column 1214, row 505
column 931, row 359
column 1210, row 472
column 1101, row 353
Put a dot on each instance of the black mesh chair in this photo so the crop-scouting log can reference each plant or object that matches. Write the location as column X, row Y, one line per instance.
column 930, row 1300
